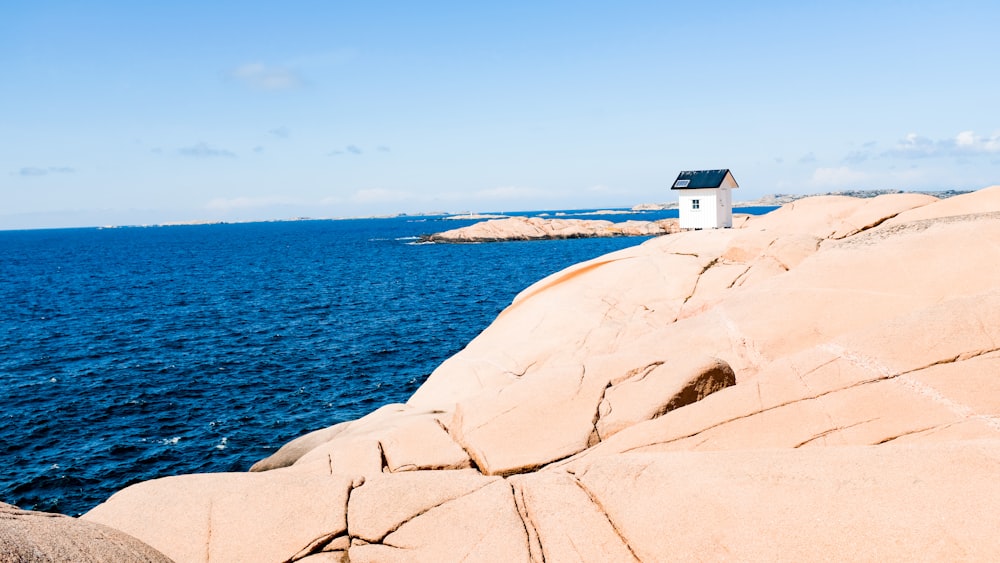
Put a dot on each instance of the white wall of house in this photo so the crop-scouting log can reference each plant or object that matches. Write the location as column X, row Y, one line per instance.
column 724, row 208
column 706, row 208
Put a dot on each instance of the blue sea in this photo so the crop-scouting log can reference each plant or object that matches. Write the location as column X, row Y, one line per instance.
column 132, row 353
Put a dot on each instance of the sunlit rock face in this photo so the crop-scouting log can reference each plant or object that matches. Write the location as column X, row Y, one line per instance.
column 819, row 383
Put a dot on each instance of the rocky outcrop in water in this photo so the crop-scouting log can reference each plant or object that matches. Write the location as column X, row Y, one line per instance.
column 821, row 383
column 539, row 228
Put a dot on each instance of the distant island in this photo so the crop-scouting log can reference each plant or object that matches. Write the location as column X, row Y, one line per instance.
column 544, row 228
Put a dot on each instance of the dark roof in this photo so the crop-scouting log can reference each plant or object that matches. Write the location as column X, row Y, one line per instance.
column 700, row 179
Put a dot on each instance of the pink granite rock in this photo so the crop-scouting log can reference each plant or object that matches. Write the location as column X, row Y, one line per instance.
column 539, row 228
column 659, row 389
column 853, row 503
column 272, row 516
column 564, row 523
column 481, row 525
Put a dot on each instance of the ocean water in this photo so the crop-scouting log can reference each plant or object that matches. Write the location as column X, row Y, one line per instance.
column 128, row 354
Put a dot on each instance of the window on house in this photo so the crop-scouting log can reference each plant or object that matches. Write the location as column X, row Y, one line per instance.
column 695, row 204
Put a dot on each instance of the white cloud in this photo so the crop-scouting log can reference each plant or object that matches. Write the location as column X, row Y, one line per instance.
column 915, row 146
column 965, row 143
column 263, row 77
column 968, row 141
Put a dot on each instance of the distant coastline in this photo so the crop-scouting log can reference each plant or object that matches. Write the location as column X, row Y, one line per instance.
column 782, row 199
column 769, row 200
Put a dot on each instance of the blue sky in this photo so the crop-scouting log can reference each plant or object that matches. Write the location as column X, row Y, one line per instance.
column 137, row 113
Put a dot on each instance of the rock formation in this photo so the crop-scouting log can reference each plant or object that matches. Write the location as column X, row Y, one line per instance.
column 539, row 228
column 41, row 537
column 821, row 383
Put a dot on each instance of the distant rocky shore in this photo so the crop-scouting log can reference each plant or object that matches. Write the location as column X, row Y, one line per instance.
column 541, row 228
column 782, row 199
column 818, row 383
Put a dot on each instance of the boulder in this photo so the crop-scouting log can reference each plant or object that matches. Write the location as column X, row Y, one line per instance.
column 423, row 444
column 556, row 409
column 277, row 515
column 393, row 438
column 44, row 537
column 659, row 389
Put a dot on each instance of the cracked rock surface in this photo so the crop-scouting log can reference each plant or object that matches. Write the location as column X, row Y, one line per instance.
column 820, row 383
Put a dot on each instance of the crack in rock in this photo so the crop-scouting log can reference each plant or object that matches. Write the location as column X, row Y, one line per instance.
column 535, row 549
column 602, row 405
column 420, row 513
column 697, row 279
column 832, row 430
column 208, row 538
column 912, row 432
column 600, row 508
column 868, row 226
column 866, row 363
column 317, row 546
column 757, row 412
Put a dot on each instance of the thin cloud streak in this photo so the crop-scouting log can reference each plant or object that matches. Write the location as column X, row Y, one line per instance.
column 37, row 171
column 349, row 149
column 203, row 150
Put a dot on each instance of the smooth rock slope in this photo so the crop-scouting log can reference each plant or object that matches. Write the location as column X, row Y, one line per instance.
column 821, row 383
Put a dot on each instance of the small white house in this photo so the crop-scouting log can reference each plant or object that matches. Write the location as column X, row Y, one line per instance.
column 705, row 198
